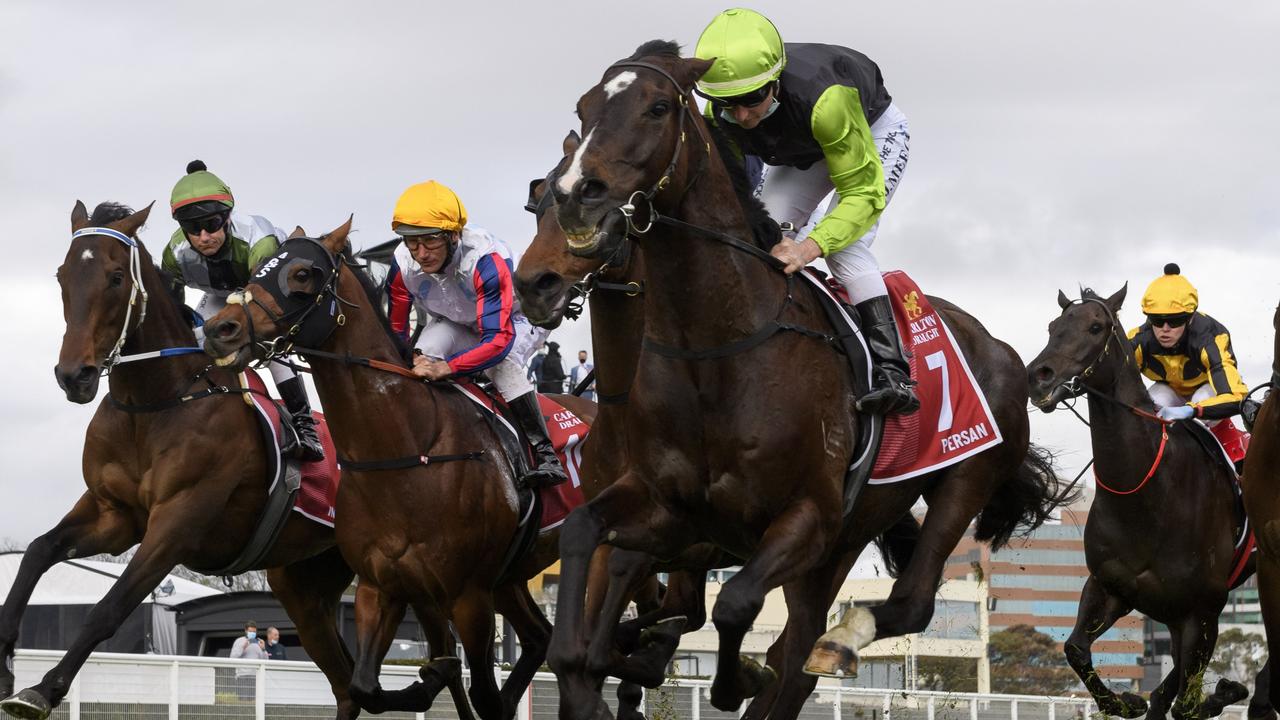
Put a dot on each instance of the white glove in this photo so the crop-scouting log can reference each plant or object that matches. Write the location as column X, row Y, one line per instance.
column 1179, row 412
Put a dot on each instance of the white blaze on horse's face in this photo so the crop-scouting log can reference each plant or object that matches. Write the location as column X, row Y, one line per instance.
column 619, row 83
column 86, row 256
column 574, row 173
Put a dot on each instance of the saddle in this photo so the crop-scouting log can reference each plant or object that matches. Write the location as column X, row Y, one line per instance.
column 1227, row 445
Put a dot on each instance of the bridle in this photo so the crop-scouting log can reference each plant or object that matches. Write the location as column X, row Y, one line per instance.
column 137, row 294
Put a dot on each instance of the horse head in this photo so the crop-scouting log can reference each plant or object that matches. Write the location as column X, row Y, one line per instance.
column 99, row 281
column 1087, row 347
column 290, row 300
column 634, row 126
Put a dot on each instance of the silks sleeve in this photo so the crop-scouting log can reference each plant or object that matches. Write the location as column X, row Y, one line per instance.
column 399, row 301
column 840, row 127
column 495, row 302
column 1228, row 387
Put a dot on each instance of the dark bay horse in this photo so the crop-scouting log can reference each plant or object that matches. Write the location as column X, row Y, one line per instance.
column 744, row 449
column 432, row 528
column 1160, row 534
column 1261, row 479
column 162, row 478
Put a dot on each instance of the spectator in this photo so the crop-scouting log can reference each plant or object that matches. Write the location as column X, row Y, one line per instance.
column 552, row 371
column 535, row 366
column 579, row 373
column 248, row 647
column 275, row 650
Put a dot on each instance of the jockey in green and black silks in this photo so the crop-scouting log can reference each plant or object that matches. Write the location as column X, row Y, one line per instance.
column 820, row 118
column 214, row 249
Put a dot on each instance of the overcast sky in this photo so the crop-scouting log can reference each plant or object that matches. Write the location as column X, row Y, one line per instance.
column 1052, row 144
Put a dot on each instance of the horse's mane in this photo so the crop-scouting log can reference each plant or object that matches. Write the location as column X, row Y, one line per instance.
column 374, row 295
column 108, row 212
column 764, row 229
column 656, row 47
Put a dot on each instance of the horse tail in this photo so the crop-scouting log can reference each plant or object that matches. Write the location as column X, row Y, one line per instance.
column 897, row 544
column 1026, row 501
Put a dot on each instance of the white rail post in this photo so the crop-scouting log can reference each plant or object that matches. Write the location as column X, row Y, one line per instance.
column 1013, row 710
column 973, row 708
column 260, row 692
column 929, row 709
column 1052, row 714
column 74, row 696
column 525, row 708
column 888, row 698
column 173, row 690
column 697, row 702
column 835, row 706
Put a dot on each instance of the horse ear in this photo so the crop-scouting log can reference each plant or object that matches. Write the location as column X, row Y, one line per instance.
column 571, row 142
column 1116, row 301
column 79, row 216
column 1063, row 301
column 130, row 225
column 297, row 232
column 690, row 69
column 336, row 241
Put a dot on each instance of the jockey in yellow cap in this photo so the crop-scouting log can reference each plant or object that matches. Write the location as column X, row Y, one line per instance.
column 1189, row 356
column 460, row 277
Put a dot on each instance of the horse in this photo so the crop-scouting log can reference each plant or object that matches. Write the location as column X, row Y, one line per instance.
column 1160, row 533
column 722, row 448
column 1261, row 477
column 432, row 527
column 157, row 470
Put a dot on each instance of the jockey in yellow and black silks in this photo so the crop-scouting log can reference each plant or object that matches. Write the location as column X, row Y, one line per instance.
column 1189, row 356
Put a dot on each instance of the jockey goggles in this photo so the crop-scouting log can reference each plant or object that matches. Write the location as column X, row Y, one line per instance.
column 747, row 100
column 1173, row 321
column 210, row 224
column 436, row 241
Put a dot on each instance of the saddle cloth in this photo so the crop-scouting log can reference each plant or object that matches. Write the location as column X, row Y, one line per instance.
column 954, row 421
column 1228, row 445
column 318, row 491
column 567, row 432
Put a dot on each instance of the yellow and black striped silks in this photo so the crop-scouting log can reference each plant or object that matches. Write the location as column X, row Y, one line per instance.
column 1203, row 355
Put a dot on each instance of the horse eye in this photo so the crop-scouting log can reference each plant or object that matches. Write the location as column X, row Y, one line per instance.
column 659, row 108
column 117, row 278
column 302, row 275
column 1095, row 328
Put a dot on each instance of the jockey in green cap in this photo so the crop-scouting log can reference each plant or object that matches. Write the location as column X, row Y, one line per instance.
column 820, row 117
column 215, row 249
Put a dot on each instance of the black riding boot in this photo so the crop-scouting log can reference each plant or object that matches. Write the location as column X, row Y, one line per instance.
column 891, row 387
column 547, row 470
column 294, row 394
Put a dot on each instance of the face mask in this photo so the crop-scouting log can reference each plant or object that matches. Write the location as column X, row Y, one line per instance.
column 773, row 107
column 251, row 634
column 271, row 642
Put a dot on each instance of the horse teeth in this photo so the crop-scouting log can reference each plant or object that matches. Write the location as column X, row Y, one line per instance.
column 226, row 360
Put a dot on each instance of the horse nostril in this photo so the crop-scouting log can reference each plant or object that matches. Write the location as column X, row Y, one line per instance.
column 591, row 191
column 547, row 282
column 226, row 330
column 1043, row 374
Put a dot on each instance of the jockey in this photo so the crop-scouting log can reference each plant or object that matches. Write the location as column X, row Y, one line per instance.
column 461, row 278
column 1189, row 356
column 214, row 249
column 820, row 117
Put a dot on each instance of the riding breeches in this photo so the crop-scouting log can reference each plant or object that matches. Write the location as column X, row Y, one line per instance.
column 792, row 195
column 442, row 338
column 1164, row 396
column 211, row 304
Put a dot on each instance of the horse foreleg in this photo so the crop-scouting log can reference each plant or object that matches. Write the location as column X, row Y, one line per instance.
column 1097, row 612
column 473, row 618
column 517, row 606
column 1260, row 707
column 310, row 591
column 785, row 552
column 1199, row 635
column 1269, row 599
column 444, row 663
column 378, row 615
column 85, row 530
column 627, row 570
column 161, row 549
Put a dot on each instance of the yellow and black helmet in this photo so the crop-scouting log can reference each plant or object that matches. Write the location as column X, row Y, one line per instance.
column 1170, row 294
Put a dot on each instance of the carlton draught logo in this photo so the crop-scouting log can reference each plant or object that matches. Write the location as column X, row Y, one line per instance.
column 911, row 303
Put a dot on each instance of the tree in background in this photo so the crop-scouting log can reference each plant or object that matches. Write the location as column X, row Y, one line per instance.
column 1239, row 655
column 1025, row 661
column 947, row 674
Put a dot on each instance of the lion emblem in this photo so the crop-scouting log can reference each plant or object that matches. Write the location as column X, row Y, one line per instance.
column 911, row 301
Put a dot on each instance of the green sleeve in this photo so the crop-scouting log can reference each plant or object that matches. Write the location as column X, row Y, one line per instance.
column 169, row 261
column 264, row 248
column 841, row 129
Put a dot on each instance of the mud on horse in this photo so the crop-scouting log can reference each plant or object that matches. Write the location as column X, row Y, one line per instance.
column 1160, row 535
column 157, row 470
column 427, row 507
column 716, row 454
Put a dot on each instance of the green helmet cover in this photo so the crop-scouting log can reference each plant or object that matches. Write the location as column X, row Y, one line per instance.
column 748, row 53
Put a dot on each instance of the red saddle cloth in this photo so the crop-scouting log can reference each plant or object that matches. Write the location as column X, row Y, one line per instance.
column 567, row 432
column 319, row 491
column 954, row 420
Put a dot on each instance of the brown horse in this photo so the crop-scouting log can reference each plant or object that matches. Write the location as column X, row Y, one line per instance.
column 160, row 478
column 724, row 445
column 1261, row 478
column 429, row 522
column 1160, row 536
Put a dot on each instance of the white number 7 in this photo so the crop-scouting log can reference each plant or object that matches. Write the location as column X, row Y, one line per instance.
column 937, row 361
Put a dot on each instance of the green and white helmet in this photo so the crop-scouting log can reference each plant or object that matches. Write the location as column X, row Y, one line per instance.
column 748, row 53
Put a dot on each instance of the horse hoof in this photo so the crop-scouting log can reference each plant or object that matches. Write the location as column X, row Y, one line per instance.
column 443, row 670
column 832, row 660
column 1126, row 705
column 27, row 704
column 752, row 677
column 1229, row 692
column 665, row 634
